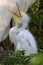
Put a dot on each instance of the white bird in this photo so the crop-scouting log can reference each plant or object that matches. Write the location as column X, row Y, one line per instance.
column 20, row 36
column 5, row 16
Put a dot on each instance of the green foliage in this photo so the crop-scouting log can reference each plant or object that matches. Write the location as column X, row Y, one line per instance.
column 18, row 58
column 0, row 64
column 37, row 60
column 36, row 24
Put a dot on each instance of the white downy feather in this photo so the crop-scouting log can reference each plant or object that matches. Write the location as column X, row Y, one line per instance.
column 23, row 40
column 26, row 42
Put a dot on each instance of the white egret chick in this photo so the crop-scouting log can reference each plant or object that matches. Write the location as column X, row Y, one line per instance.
column 20, row 36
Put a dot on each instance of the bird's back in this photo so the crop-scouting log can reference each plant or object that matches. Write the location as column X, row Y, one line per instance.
column 26, row 42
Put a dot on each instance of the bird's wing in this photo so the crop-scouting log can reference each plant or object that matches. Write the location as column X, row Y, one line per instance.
column 23, row 45
column 32, row 42
column 5, row 18
column 27, row 42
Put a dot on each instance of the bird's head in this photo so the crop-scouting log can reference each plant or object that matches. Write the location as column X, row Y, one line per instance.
column 22, row 18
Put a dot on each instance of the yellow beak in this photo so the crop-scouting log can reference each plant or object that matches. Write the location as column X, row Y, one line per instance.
column 19, row 9
column 15, row 16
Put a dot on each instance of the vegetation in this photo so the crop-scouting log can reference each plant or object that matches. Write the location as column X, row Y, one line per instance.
column 9, row 57
column 36, row 24
column 18, row 58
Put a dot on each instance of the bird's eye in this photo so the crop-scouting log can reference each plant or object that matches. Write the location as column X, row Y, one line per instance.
column 20, row 25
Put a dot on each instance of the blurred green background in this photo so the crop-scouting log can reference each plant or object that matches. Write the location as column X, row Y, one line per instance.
column 36, row 24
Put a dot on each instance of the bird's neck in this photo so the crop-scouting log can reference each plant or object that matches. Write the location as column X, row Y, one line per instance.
column 22, row 26
column 16, row 30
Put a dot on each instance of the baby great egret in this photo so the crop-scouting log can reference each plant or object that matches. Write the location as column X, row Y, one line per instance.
column 20, row 36
column 5, row 16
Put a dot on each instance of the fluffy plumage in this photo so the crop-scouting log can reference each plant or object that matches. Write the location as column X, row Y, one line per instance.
column 21, row 37
column 23, row 40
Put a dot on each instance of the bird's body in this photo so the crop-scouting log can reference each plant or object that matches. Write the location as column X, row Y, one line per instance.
column 26, row 42
column 23, row 40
